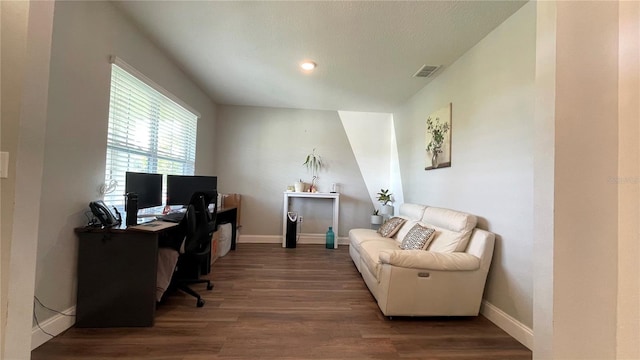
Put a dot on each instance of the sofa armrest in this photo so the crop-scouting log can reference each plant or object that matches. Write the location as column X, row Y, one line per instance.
column 420, row 259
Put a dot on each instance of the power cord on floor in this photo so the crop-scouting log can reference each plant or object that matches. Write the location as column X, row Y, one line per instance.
column 35, row 317
column 50, row 309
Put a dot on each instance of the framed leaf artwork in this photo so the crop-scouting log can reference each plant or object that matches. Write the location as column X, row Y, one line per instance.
column 438, row 139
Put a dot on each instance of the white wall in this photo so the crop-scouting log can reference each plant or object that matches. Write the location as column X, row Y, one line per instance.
column 29, row 155
column 585, row 120
column 629, row 183
column 492, row 91
column 586, row 294
column 13, row 32
column 259, row 151
column 544, row 167
column 85, row 35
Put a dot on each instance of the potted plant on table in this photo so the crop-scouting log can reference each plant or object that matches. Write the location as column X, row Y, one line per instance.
column 384, row 198
column 314, row 164
column 376, row 218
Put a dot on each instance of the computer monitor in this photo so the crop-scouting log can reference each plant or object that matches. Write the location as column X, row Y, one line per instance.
column 181, row 187
column 147, row 186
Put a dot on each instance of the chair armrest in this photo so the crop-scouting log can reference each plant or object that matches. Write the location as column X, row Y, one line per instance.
column 420, row 259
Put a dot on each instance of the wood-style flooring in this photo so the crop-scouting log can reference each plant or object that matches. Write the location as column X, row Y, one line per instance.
column 276, row 303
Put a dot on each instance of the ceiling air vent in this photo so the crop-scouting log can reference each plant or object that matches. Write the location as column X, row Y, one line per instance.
column 426, row 71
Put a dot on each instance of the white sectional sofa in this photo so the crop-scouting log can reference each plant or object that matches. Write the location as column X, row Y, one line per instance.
column 445, row 279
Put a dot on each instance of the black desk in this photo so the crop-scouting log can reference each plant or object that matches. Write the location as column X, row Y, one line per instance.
column 117, row 275
column 117, row 270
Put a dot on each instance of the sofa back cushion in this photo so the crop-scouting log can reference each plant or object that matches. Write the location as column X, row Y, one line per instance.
column 412, row 211
column 453, row 229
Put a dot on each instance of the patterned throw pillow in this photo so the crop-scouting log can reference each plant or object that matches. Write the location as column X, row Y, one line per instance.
column 391, row 227
column 418, row 238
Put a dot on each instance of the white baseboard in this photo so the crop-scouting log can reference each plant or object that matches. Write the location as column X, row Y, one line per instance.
column 507, row 323
column 54, row 326
column 259, row 239
column 277, row 239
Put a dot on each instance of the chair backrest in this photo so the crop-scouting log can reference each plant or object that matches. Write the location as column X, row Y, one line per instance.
column 199, row 223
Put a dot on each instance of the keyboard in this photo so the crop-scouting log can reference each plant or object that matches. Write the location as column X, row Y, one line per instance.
column 145, row 220
column 172, row 217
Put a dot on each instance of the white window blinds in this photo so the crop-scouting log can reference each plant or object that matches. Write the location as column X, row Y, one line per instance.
column 148, row 132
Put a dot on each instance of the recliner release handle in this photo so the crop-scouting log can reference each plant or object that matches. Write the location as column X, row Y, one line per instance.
column 424, row 274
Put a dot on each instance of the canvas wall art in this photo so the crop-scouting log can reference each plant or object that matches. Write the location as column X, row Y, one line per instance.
column 438, row 139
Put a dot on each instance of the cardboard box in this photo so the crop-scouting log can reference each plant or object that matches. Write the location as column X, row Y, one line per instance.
column 232, row 200
column 215, row 244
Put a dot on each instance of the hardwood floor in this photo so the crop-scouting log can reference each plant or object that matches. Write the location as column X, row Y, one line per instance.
column 275, row 303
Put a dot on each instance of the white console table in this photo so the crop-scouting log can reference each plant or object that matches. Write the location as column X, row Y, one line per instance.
column 336, row 210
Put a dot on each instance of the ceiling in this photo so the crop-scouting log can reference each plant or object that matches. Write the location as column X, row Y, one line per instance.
column 248, row 53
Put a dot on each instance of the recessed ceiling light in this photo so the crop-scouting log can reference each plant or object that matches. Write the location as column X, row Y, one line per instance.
column 308, row 65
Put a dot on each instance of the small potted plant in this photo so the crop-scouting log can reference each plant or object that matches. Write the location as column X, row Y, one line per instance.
column 376, row 218
column 384, row 198
column 314, row 164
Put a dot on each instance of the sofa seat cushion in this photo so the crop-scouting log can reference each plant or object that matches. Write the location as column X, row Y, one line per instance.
column 420, row 259
column 358, row 236
column 453, row 229
column 370, row 251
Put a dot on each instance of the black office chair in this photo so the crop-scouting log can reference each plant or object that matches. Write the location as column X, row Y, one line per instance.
column 199, row 225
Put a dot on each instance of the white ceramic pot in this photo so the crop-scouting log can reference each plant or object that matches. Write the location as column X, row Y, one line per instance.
column 386, row 210
column 376, row 219
column 299, row 186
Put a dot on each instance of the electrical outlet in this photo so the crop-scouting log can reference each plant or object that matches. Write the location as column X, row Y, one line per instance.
column 300, row 219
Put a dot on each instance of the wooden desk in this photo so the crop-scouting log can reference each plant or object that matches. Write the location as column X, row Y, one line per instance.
column 117, row 275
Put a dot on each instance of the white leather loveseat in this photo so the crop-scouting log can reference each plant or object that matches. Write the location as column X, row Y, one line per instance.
column 445, row 279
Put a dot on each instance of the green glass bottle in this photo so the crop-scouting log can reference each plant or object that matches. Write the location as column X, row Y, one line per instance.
column 330, row 238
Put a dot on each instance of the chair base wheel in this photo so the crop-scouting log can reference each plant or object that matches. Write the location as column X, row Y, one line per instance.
column 200, row 303
column 209, row 286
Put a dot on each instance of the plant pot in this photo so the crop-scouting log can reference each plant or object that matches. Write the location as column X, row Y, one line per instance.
column 299, row 186
column 386, row 210
column 376, row 219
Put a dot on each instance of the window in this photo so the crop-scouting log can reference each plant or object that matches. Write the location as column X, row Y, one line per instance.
column 148, row 131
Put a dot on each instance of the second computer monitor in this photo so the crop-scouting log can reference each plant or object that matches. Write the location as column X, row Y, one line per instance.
column 181, row 187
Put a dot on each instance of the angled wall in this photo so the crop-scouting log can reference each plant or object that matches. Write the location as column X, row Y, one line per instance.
column 373, row 142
